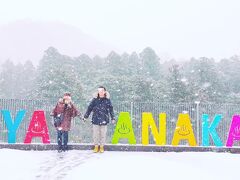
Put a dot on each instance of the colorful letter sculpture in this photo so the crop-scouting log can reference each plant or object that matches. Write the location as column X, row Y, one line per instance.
column 206, row 130
column 12, row 126
column 124, row 129
column 148, row 122
column 38, row 128
column 184, row 131
column 157, row 130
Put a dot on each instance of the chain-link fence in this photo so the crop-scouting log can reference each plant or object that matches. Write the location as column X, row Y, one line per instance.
column 82, row 132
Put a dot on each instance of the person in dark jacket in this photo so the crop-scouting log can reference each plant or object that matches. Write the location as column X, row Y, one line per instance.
column 68, row 111
column 101, row 107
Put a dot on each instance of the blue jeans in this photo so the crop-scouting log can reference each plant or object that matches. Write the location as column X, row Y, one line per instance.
column 62, row 139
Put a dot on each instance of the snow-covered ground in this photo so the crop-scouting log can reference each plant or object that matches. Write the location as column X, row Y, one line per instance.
column 47, row 165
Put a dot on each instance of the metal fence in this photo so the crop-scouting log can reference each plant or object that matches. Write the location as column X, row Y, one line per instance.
column 82, row 132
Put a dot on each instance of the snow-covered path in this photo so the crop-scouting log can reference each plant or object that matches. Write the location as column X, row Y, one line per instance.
column 50, row 165
column 59, row 164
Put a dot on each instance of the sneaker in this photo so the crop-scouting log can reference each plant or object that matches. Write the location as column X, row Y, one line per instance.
column 95, row 150
column 101, row 149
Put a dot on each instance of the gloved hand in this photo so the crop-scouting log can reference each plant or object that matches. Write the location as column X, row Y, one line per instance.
column 113, row 121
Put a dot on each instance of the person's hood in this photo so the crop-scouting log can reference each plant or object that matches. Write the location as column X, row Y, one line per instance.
column 95, row 95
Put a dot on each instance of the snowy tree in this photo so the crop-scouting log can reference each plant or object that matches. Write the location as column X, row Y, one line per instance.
column 87, row 74
column 17, row 80
column 205, row 80
column 133, row 65
column 57, row 74
column 7, row 80
column 229, row 69
column 128, row 77
column 29, row 77
column 115, row 64
column 150, row 63
column 178, row 85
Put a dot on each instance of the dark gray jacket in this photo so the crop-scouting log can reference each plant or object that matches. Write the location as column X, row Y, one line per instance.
column 101, row 108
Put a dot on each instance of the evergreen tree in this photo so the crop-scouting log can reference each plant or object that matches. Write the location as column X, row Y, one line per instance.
column 133, row 65
column 19, row 92
column 134, row 77
column 177, row 86
column 7, row 80
column 230, row 78
column 57, row 74
column 150, row 63
column 116, row 64
column 205, row 80
column 29, row 77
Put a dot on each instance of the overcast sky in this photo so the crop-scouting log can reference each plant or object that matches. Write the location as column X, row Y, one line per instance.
column 178, row 28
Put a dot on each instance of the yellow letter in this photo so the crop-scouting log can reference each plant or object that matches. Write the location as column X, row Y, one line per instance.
column 184, row 131
column 148, row 121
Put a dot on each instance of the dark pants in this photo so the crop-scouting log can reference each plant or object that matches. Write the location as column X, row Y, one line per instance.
column 62, row 139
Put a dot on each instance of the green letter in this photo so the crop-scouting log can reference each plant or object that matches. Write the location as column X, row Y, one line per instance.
column 124, row 129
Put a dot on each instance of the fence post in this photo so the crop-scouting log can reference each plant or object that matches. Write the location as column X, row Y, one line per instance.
column 198, row 123
column 131, row 113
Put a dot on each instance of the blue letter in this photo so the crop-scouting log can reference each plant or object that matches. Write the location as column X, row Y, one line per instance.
column 12, row 126
column 206, row 130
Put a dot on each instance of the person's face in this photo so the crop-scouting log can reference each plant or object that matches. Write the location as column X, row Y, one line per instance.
column 60, row 100
column 66, row 99
column 101, row 92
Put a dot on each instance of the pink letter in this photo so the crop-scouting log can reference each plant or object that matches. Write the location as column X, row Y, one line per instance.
column 37, row 128
column 234, row 132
